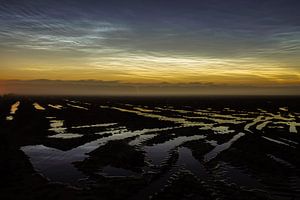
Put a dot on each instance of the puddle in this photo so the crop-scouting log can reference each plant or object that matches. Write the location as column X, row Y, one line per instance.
column 238, row 176
column 292, row 128
column 14, row 107
column 75, row 106
column 93, row 125
column 255, row 121
column 156, row 116
column 38, row 106
column 58, row 107
column 262, row 125
column 212, row 142
column 50, row 117
column 217, row 129
column 142, row 109
column 176, row 120
column 9, row 118
column 57, row 126
column 66, row 135
column 222, row 147
column 187, row 160
column 54, row 163
column 285, row 109
column 109, row 171
column 142, row 138
column 277, row 141
column 57, row 165
column 13, row 110
column 72, row 101
column 158, row 153
column 222, row 130
column 289, row 141
column 281, row 161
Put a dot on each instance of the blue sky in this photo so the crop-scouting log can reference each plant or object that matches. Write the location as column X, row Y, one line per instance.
column 235, row 42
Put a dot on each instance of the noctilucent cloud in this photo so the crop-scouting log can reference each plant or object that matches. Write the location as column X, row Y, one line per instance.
column 235, row 42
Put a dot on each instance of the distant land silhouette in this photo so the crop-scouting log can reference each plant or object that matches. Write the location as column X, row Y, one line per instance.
column 98, row 87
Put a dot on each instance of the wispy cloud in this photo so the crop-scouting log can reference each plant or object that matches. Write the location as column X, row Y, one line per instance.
column 225, row 42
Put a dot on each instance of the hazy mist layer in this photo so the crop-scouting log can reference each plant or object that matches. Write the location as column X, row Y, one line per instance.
column 92, row 87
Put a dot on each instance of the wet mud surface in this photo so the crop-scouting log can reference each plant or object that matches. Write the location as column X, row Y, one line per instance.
column 150, row 148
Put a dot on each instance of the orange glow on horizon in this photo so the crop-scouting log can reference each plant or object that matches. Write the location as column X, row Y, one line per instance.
column 154, row 69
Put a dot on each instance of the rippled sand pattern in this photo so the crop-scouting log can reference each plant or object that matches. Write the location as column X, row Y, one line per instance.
column 210, row 149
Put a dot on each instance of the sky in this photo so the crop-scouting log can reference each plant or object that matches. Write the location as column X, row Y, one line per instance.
column 150, row 43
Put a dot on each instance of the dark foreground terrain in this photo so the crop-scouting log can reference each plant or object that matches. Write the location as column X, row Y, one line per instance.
column 149, row 148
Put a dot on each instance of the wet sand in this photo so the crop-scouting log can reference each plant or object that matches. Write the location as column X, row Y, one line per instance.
column 150, row 147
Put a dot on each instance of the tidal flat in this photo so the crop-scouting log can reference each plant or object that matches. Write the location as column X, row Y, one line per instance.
column 209, row 147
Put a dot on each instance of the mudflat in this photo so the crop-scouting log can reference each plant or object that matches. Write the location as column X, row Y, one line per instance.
column 209, row 147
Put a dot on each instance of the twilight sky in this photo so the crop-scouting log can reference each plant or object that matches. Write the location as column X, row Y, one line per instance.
column 212, row 42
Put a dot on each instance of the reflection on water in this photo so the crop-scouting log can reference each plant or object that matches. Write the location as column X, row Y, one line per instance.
column 199, row 141
column 93, row 125
column 9, row 118
column 281, row 161
column 14, row 107
column 142, row 109
column 284, row 109
column 38, row 106
column 276, row 141
column 235, row 175
column 76, row 106
column 159, row 152
column 13, row 110
column 293, row 127
column 289, row 141
column 54, row 164
column 255, row 121
column 64, row 159
column 262, row 125
column 222, row 147
column 110, row 171
column 218, row 129
column 57, row 126
column 58, row 107
column 140, row 139
column 187, row 160
column 66, row 135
